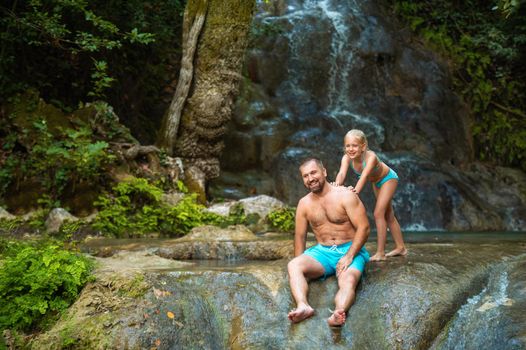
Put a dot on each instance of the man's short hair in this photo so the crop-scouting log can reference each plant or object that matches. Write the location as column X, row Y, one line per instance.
column 312, row 159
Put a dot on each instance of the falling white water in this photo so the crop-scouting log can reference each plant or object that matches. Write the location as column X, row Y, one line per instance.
column 477, row 321
column 340, row 57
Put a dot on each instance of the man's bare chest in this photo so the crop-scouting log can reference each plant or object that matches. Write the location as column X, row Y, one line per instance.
column 324, row 214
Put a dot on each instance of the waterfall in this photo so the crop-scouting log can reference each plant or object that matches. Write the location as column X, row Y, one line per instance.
column 479, row 320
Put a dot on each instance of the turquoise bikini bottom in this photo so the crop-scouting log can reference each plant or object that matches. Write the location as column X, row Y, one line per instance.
column 390, row 175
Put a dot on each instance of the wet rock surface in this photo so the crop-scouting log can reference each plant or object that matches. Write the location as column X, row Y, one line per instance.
column 325, row 67
column 441, row 291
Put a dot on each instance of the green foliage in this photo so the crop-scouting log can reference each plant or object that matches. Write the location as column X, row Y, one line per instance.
column 72, row 156
column 54, row 156
column 67, row 26
column 69, row 228
column 282, row 219
column 73, row 51
column 100, row 78
column 134, row 207
column 486, row 51
column 37, row 282
column 10, row 225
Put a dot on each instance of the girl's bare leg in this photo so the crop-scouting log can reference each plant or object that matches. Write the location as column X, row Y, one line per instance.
column 384, row 195
column 396, row 232
column 381, row 229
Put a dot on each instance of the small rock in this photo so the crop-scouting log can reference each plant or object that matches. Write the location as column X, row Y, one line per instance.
column 222, row 209
column 261, row 205
column 56, row 218
column 4, row 214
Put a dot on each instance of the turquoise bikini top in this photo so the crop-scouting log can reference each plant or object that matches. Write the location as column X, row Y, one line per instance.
column 376, row 168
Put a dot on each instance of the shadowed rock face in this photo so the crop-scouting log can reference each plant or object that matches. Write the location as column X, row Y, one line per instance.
column 329, row 66
column 438, row 294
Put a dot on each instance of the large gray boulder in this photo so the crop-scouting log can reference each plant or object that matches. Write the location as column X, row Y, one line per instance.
column 440, row 295
column 256, row 208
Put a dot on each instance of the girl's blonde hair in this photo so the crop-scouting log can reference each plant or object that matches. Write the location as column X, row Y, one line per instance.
column 359, row 134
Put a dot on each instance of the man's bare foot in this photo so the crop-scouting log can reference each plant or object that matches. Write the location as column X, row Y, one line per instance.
column 396, row 252
column 337, row 318
column 377, row 257
column 299, row 314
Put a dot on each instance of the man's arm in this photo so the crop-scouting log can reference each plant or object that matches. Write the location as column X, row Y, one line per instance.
column 300, row 233
column 356, row 212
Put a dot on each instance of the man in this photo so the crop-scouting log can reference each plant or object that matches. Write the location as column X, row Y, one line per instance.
column 338, row 219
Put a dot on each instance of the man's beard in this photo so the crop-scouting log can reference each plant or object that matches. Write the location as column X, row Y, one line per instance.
column 317, row 186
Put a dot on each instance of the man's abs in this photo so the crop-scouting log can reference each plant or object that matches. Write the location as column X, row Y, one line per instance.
column 329, row 234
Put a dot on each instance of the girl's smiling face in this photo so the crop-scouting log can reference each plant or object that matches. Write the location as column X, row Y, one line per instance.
column 353, row 146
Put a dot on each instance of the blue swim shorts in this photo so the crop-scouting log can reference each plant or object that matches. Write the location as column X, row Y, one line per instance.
column 328, row 256
column 390, row 175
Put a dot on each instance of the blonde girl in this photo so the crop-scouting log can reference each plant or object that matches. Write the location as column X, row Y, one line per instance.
column 366, row 164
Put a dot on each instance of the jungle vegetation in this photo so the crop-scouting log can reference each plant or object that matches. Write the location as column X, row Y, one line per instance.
column 485, row 42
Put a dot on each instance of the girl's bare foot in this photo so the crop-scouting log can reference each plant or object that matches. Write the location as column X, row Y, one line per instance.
column 337, row 318
column 377, row 257
column 396, row 252
column 301, row 313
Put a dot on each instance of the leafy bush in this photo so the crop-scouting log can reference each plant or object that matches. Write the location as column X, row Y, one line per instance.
column 41, row 145
column 75, row 51
column 37, row 282
column 282, row 219
column 486, row 50
column 134, row 207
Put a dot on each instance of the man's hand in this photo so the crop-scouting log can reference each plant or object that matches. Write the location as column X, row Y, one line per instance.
column 343, row 264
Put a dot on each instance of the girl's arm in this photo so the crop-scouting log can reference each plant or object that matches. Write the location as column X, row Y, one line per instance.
column 371, row 161
column 340, row 178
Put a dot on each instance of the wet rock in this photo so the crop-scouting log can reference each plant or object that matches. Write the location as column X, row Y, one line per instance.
column 256, row 209
column 495, row 316
column 56, row 218
column 215, row 234
column 412, row 302
column 331, row 66
column 222, row 209
column 234, row 243
column 261, row 205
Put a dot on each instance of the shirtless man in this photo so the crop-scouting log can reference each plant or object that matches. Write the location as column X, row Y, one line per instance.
column 338, row 219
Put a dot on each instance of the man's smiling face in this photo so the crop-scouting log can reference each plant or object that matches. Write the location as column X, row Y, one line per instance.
column 313, row 176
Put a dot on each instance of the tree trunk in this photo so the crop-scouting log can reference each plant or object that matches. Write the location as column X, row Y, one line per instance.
column 194, row 18
column 218, row 64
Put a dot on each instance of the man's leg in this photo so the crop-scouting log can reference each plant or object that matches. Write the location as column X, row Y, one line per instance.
column 347, row 283
column 300, row 269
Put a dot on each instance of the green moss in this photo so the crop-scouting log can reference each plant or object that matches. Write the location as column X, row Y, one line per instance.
column 78, row 333
column 197, row 7
column 135, row 288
